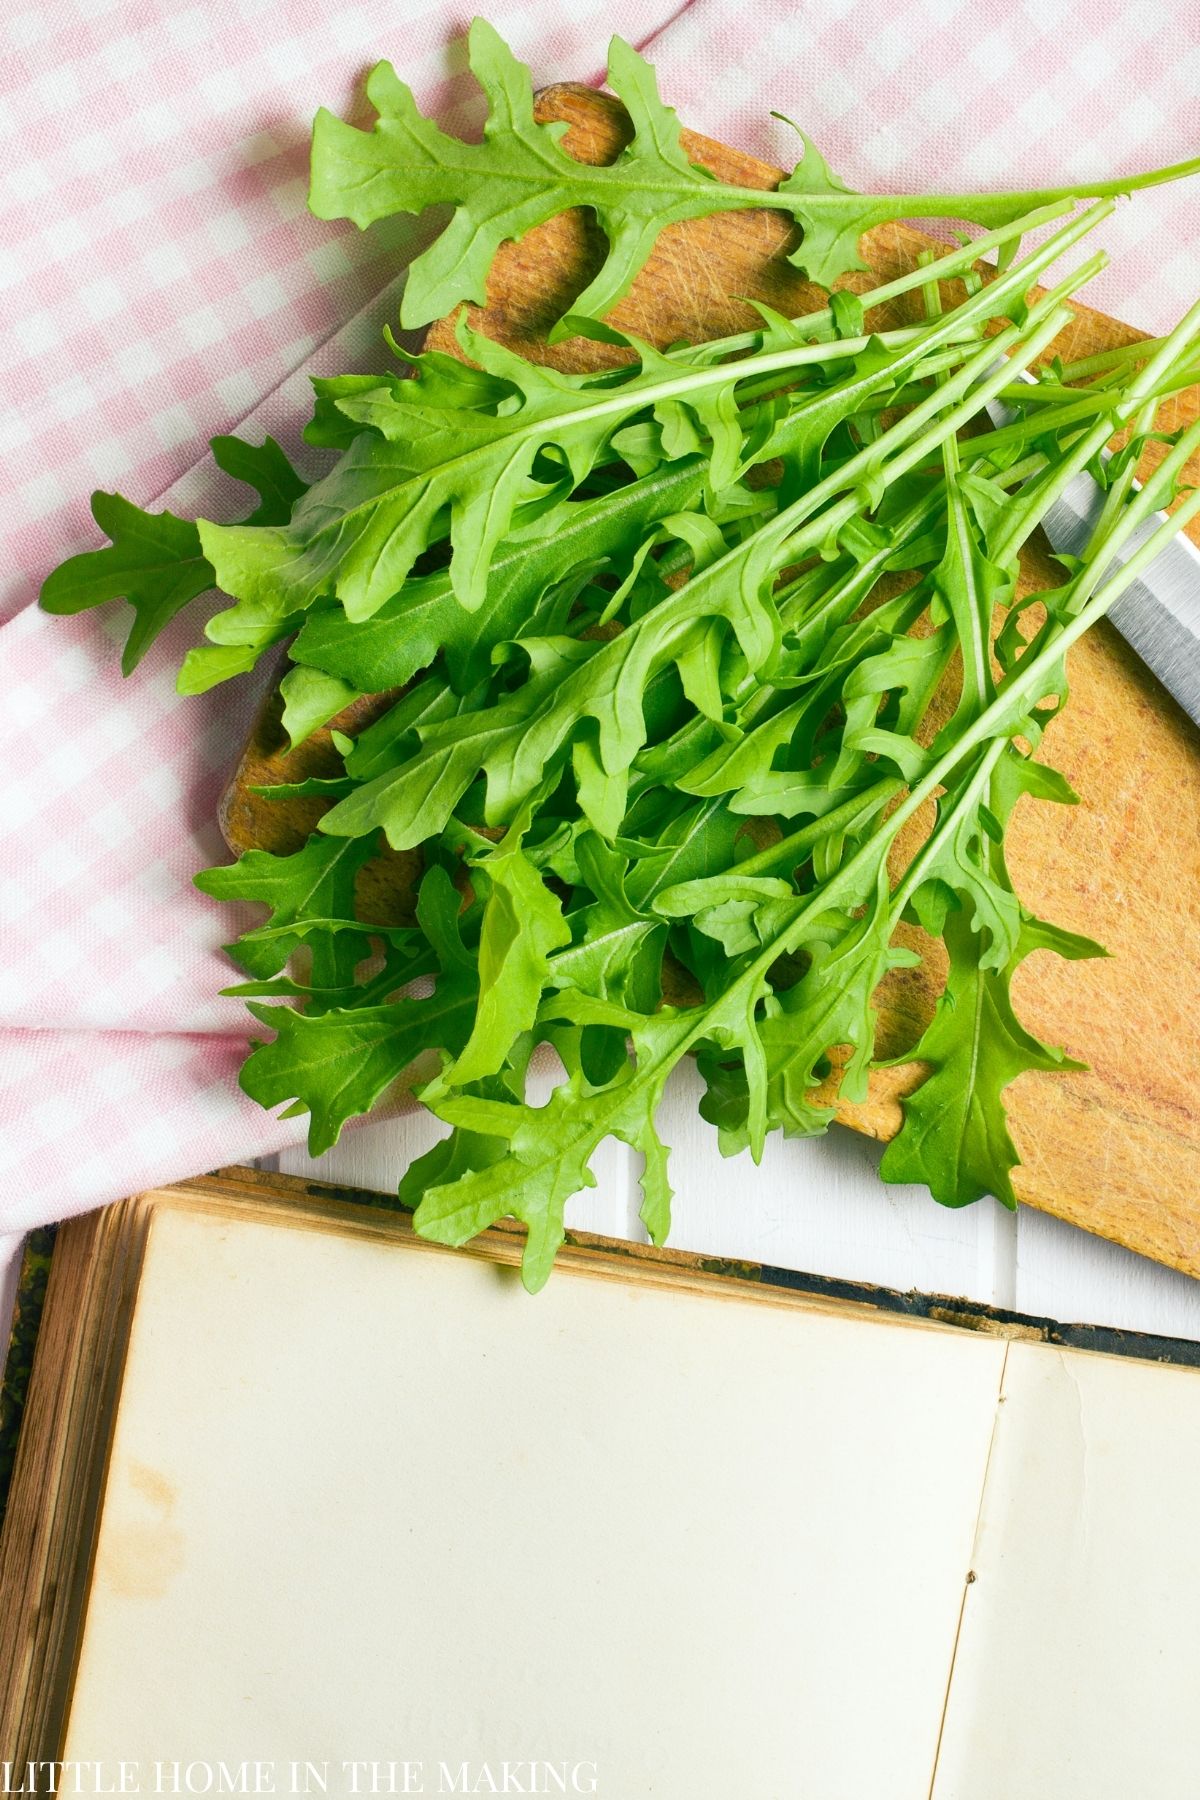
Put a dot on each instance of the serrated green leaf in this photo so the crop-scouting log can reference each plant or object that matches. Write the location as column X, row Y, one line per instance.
column 522, row 925
column 338, row 1064
column 206, row 666
column 155, row 560
column 313, row 883
column 265, row 468
column 549, row 1149
column 516, row 178
column 834, row 218
column 955, row 1138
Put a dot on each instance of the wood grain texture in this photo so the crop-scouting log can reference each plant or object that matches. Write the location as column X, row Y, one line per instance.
column 1115, row 1149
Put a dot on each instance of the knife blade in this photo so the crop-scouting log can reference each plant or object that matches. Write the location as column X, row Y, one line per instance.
column 1157, row 615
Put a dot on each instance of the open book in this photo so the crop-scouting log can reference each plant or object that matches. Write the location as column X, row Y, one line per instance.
column 304, row 1506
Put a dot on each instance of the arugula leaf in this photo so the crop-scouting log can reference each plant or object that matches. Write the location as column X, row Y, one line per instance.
column 337, row 1063
column 315, row 883
column 522, row 925
column 549, row 1149
column 519, row 176
column 693, row 840
column 616, row 947
column 516, row 178
column 833, row 217
column 405, row 958
column 310, row 699
column 266, row 469
column 206, row 666
column 155, row 563
column 155, row 560
column 955, row 1138
column 830, row 1005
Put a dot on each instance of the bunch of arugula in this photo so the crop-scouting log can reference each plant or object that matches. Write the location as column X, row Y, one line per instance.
column 659, row 653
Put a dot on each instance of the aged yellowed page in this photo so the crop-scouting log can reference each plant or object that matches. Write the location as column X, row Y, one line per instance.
column 375, row 1504
column 1077, row 1675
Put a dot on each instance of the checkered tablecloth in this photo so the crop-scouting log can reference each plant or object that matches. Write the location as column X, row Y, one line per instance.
column 163, row 282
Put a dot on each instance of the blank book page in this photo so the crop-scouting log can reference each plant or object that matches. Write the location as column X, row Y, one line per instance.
column 372, row 1501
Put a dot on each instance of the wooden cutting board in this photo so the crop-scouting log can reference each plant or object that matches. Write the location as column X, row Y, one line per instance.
column 1116, row 1149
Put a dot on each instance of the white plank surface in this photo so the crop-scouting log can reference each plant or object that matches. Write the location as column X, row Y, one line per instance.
column 1065, row 1274
column 816, row 1205
column 819, row 1205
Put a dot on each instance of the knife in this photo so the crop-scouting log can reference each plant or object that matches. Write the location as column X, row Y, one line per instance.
column 1158, row 615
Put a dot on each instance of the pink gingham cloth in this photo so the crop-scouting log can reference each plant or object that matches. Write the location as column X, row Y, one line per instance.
column 165, row 282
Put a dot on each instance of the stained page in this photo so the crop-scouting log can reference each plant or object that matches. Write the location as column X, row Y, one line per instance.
column 372, row 1503
column 1077, row 1675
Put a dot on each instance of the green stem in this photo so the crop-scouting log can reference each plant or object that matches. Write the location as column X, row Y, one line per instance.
column 955, row 262
column 790, row 851
column 804, row 535
column 969, row 796
column 980, row 208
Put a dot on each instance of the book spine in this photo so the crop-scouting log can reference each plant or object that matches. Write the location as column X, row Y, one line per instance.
column 27, row 1313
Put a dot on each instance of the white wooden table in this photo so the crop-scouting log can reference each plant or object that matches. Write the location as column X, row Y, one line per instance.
column 819, row 1205
column 812, row 1204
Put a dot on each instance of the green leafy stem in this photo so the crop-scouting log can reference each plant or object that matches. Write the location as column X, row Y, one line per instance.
column 519, row 176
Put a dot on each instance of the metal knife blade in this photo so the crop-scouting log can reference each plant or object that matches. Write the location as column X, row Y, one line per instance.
column 1159, row 615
